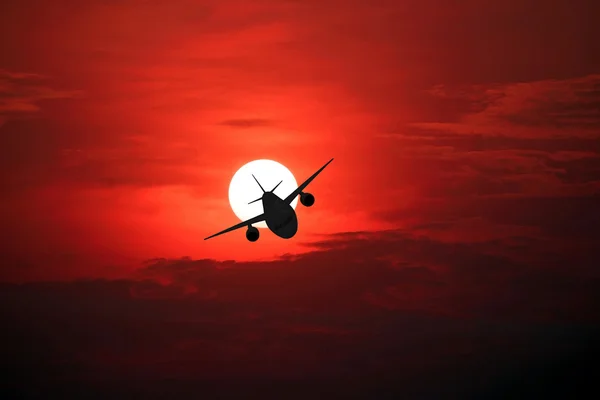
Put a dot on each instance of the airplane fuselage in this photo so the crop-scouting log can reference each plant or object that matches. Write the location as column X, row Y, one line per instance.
column 280, row 217
column 278, row 213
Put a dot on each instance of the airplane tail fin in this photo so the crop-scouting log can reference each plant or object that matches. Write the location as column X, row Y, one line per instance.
column 272, row 190
column 261, row 188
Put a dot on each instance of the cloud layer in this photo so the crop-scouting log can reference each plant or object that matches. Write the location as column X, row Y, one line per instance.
column 388, row 312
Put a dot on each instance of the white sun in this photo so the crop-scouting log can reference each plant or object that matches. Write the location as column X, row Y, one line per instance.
column 243, row 189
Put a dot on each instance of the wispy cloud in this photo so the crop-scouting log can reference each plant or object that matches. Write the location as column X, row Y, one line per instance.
column 21, row 93
column 247, row 123
column 545, row 106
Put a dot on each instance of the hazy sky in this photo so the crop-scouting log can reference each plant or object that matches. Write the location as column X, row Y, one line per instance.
column 465, row 182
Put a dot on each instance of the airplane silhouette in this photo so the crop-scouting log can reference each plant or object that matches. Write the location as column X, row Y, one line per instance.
column 278, row 213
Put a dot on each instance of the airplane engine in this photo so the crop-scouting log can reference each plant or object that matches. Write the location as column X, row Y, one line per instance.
column 252, row 234
column 307, row 199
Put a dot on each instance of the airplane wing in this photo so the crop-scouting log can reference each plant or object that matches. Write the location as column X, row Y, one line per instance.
column 300, row 188
column 254, row 220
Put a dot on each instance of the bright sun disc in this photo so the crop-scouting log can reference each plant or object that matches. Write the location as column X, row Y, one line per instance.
column 243, row 189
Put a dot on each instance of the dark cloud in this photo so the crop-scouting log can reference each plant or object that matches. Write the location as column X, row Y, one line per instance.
column 28, row 153
column 41, row 151
column 441, row 163
column 579, row 170
column 22, row 93
column 387, row 310
column 477, row 142
column 91, row 337
column 563, row 217
column 247, row 123
column 471, row 279
column 567, row 218
column 137, row 168
column 572, row 103
column 558, row 104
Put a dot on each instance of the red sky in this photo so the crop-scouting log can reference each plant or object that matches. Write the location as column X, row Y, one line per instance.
column 465, row 183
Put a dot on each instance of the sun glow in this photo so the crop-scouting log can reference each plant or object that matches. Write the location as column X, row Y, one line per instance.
column 243, row 189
